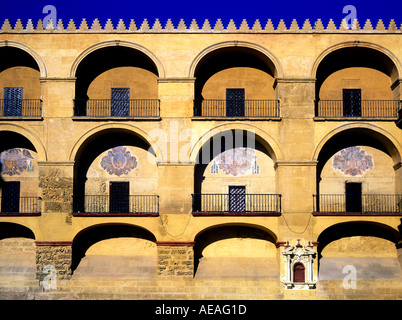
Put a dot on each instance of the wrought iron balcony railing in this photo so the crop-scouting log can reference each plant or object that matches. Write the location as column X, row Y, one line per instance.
column 126, row 205
column 382, row 109
column 20, row 206
column 237, row 108
column 117, row 108
column 236, row 204
column 361, row 204
column 27, row 108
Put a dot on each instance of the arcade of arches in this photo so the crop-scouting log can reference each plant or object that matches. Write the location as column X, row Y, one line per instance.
column 192, row 166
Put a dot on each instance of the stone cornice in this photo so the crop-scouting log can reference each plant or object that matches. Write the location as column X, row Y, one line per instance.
column 206, row 27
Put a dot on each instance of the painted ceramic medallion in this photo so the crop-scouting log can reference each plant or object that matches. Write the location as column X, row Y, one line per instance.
column 352, row 161
column 15, row 161
column 236, row 162
column 119, row 161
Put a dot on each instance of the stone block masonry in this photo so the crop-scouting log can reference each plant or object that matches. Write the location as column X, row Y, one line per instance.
column 175, row 259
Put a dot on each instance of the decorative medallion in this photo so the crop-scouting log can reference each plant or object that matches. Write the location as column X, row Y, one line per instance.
column 119, row 161
column 236, row 162
column 352, row 161
column 15, row 161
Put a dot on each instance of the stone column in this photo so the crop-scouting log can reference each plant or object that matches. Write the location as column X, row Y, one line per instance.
column 53, row 255
column 175, row 259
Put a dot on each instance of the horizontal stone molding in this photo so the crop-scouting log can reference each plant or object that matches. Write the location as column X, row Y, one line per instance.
column 206, row 27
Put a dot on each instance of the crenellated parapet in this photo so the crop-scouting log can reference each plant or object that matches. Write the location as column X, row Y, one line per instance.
column 194, row 27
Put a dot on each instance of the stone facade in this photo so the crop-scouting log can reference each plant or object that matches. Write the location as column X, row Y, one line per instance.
column 200, row 162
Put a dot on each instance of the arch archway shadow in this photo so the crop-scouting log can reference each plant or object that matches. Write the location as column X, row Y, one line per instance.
column 237, row 264
column 92, row 235
column 368, row 247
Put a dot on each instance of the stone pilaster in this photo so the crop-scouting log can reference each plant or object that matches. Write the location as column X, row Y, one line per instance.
column 175, row 259
column 53, row 255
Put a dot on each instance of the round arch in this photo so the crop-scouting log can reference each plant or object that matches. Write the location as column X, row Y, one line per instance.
column 117, row 43
column 31, row 137
column 11, row 229
column 111, row 126
column 356, row 228
column 263, row 137
column 39, row 61
column 358, row 44
column 241, row 44
column 269, row 233
column 90, row 235
column 389, row 142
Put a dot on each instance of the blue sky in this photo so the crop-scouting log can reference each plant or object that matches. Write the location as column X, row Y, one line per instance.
column 201, row 10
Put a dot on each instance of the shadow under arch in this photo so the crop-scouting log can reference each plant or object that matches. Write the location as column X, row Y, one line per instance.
column 15, row 136
column 355, row 54
column 356, row 228
column 94, row 144
column 228, row 231
column 18, row 52
column 93, row 234
column 108, row 55
column 14, row 230
column 351, row 135
column 229, row 54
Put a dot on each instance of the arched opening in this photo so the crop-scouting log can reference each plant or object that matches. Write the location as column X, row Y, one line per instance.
column 357, row 81
column 235, row 175
column 368, row 247
column 17, row 252
column 235, row 251
column 299, row 273
column 20, row 193
column 116, row 81
column 115, row 172
column 114, row 251
column 235, row 81
column 356, row 174
column 20, row 88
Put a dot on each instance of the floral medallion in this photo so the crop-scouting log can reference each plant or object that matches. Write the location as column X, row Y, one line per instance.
column 352, row 161
column 236, row 162
column 119, row 161
column 15, row 161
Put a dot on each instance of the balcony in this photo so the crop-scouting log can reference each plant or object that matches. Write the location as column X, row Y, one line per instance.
column 366, row 109
column 22, row 108
column 106, row 205
column 357, row 204
column 236, row 204
column 20, row 206
column 236, row 108
column 108, row 108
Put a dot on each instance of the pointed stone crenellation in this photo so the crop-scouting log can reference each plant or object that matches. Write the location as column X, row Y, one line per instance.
column 256, row 26
column 96, row 26
column 206, row 26
column 219, row 25
column 244, row 27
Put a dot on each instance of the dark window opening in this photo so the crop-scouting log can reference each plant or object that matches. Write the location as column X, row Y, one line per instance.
column 10, row 198
column 237, row 198
column 13, row 102
column 353, row 194
column 120, row 104
column 235, row 102
column 352, row 103
column 119, row 197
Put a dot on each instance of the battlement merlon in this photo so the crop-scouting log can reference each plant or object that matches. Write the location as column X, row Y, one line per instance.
column 194, row 27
